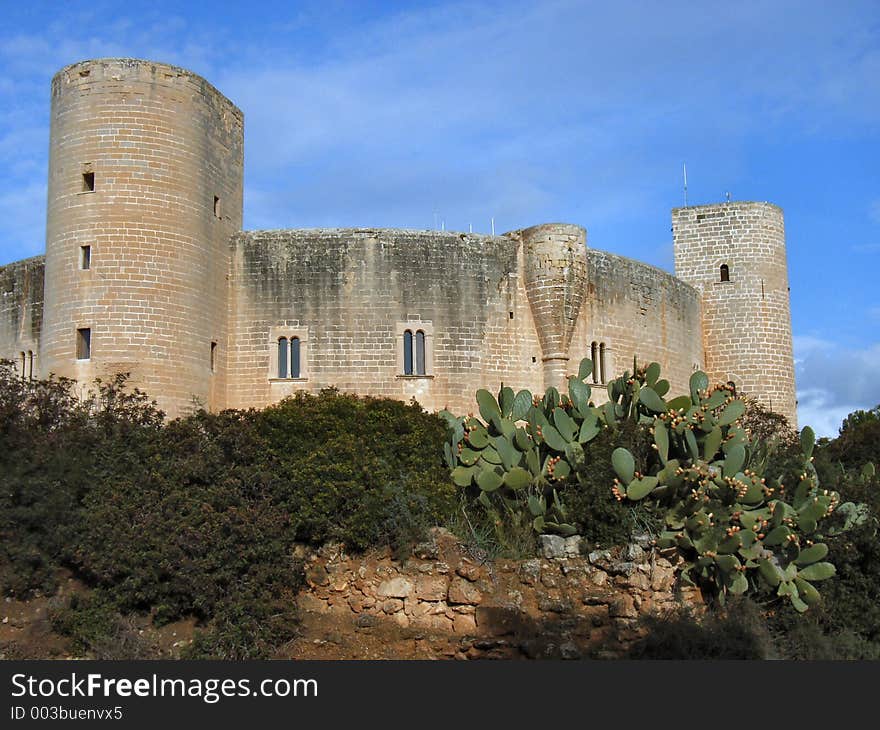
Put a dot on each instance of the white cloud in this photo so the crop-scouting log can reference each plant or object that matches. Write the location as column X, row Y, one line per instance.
column 833, row 381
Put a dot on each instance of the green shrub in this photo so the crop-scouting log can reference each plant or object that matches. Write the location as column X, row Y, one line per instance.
column 602, row 520
column 737, row 633
column 199, row 516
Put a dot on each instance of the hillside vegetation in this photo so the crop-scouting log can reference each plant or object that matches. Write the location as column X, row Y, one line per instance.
column 201, row 516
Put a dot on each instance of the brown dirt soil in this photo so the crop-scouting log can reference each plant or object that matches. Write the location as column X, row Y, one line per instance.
column 26, row 631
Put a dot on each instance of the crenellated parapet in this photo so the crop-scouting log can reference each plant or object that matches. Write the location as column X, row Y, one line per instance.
column 555, row 276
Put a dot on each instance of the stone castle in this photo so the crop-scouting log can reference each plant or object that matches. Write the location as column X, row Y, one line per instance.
column 147, row 270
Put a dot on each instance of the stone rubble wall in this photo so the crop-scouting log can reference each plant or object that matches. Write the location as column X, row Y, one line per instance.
column 562, row 605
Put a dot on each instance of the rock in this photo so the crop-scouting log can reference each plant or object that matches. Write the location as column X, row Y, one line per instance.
column 398, row 587
column 642, row 539
column 497, row 620
column 469, row 571
column 569, row 650
column 552, row 546
column 634, row 552
column 530, row 571
column 427, row 550
column 465, row 609
column 317, row 575
column 572, row 546
column 431, row 588
column 308, row 602
column 419, row 609
column 623, row 567
column 623, row 607
column 463, row 623
column 392, row 605
column 599, row 578
column 638, row 580
column 552, row 605
column 461, row 591
column 599, row 556
column 662, row 578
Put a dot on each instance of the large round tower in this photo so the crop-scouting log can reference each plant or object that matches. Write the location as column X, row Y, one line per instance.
column 734, row 254
column 145, row 190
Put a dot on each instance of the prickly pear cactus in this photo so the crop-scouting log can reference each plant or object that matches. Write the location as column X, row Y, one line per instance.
column 521, row 447
column 736, row 531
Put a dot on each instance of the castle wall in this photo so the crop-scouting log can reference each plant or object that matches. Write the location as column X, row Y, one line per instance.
column 638, row 310
column 348, row 293
column 746, row 320
column 157, row 144
column 21, row 313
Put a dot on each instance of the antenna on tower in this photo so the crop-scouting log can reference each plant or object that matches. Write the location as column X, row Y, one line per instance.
column 685, row 169
column 493, row 225
column 728, row 196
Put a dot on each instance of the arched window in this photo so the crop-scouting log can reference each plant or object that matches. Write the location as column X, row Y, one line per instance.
column 294, row 357
column 725, row 272
column 282, row 357
column 594, row 356
column 420, row 352
column 30, row 365
column 408, row 352
column 603, row 373
column 23, row 371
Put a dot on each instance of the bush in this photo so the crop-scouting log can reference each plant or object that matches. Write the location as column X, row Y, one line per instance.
column 199, row 516
column 602, row 520
column 737, row 633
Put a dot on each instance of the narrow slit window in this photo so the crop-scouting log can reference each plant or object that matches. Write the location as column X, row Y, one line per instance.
column 602, row 371
column 85, row 257
column 213, row 357
column 725, row 272
column 294, row 357
column 23, row 372
column 30, row 365
column 84, row 343
column 408, row 352
column 88, row 182
column 282, row 357
column 216, row 206
column 420, row 352
column 594, row 356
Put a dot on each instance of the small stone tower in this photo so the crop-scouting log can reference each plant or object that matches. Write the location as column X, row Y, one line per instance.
column 734, row 254
column 145, row 191
column 555, row 275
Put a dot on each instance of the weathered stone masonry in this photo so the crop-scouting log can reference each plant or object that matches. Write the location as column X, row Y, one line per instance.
column 145, row 170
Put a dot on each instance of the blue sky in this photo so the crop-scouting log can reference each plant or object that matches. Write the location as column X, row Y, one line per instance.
column 412, row 114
